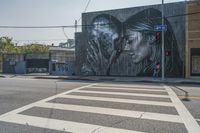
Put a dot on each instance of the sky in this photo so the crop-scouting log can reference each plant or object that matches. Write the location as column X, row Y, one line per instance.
column 53, row 13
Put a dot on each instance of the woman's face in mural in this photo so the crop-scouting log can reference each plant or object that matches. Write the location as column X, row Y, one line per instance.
column 138, row 45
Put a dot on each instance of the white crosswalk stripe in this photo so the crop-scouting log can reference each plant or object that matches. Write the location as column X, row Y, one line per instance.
column 74, row 127
column 190, row 123
column 131, row 86
column 183, row 114
column 117, row 112
column 122, row 88
column 123, row 93
column 118, row 100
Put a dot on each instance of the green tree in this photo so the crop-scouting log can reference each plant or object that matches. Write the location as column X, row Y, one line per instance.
column 34, row 48
column 7, row 46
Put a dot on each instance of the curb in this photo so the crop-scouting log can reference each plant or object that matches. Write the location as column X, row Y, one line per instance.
column 2, row 76
column 65, row 78
column 118, row 80
column 169, row 82
column 164, row 82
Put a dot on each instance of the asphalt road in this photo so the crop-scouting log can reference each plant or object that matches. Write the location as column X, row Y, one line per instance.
column 190, row 96
column 58, row 106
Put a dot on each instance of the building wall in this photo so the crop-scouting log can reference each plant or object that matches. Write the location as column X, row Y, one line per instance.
column 193, row 36
column 8, row 68
column 14, row 63
column 56, row 68
column 61, row 62
column 123, row 42
column 80, row 52
column 20, row 67
column 1, row 63
column 37, row 63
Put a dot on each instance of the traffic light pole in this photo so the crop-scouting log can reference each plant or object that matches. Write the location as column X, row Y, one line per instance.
column 163, row 45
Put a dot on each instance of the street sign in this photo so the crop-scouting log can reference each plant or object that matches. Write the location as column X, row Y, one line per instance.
column 160, row 27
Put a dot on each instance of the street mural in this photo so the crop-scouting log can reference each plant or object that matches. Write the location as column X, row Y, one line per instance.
column 111, row 43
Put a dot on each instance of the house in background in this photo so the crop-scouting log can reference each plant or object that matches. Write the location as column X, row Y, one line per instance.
column 62, row 61
column 69, row 44
column 20, row 63
column 37, row 63
column 58, row 61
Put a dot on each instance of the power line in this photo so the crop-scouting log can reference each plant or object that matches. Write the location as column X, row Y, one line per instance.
column 88, row 3
column 63, row 29
column 73, row 26
column 86, row 7
column 40, row 40
column 38, row 27
column 185, row 14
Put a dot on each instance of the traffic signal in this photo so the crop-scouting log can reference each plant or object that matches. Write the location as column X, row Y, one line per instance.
column 158, row 37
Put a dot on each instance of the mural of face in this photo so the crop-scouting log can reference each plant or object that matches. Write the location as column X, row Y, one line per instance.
column 104, row 34
column 138, row 46
column 145, row 48
column 103, row 39
column 130, row 47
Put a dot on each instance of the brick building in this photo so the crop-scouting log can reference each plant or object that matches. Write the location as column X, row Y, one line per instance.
column 192, row 53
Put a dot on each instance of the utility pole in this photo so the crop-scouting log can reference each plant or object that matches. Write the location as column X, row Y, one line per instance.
column 76, row 22
column 163, row 44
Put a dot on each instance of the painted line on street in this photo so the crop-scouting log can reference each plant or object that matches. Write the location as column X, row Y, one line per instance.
column 125, row 85
column 44, row 100
column 189, row 121
column 121, row 88
column 125, row 94
column 118, row 100
column 116, row 112
column 60, row 125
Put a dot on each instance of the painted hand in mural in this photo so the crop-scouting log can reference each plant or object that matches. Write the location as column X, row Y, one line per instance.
column 104, row 44
column 94, row 57
column 99, row 59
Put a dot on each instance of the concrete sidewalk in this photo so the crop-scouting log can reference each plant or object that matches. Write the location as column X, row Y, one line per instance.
column 125, row 79
column 195, row 80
